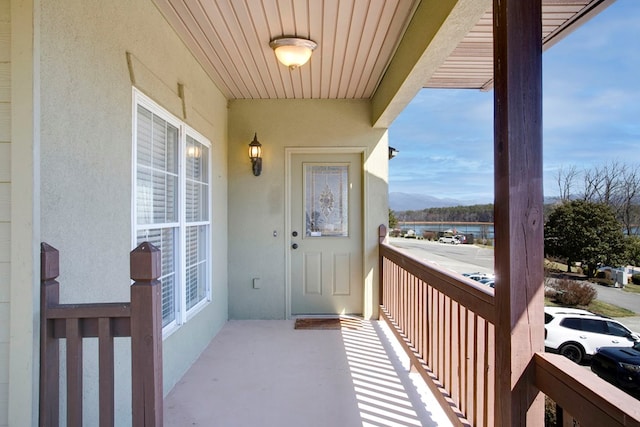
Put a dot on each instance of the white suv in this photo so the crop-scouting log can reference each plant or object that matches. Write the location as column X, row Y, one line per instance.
column 577, row 334
column 449, row 239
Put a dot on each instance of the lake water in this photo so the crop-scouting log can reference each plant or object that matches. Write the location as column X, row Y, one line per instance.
column 480, row 230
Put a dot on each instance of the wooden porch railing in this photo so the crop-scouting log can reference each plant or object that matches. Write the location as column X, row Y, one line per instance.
column 139, row 319
column 446, row 325
column 587, row 399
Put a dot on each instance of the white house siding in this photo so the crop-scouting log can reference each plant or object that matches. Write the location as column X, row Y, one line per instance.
column 86, row 161
column 5, row 203
column 257, row 204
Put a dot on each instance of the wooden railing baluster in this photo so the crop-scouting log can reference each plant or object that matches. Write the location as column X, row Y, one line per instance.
column 106, row 370
column 74, row 372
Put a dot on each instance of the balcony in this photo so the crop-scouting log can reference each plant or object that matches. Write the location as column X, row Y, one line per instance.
column 431, row 361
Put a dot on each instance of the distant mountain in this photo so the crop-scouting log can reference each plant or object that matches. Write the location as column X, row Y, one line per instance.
column 409, row 201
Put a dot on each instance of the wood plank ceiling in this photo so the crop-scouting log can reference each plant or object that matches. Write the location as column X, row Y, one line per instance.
column 470, row 65
column 356, row 42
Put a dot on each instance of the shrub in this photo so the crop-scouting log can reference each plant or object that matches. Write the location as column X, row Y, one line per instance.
column 575, row 293
column 604, row 282
column 429, row 235
column 604, row 274
column 550, row 292
column 550, row 417
column 395, row 233
column 635, row 279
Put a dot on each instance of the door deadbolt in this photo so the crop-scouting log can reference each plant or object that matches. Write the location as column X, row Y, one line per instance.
column 294, row 234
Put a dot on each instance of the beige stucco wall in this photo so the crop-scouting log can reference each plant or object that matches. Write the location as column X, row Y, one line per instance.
column 25, row 225
column 5, row 204
column 257, row 204
column 86, row 159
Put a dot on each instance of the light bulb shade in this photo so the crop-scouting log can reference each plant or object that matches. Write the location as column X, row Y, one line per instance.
column 255, row 152
column 293, row 52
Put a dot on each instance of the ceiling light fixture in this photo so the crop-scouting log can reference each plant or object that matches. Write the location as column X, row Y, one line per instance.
column 292, row 51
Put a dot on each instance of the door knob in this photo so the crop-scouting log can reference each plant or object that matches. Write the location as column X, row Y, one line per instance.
column 294, row 246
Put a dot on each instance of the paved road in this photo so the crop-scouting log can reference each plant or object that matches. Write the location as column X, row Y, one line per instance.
column 457, row 258
column 619, row 297
column 471, row 259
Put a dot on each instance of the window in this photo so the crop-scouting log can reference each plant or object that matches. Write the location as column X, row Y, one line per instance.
column 326, row 196
column 617, row 330
column 595, row 326
column 171, row 206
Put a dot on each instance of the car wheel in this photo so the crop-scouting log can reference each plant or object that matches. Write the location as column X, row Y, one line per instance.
column 572, row 352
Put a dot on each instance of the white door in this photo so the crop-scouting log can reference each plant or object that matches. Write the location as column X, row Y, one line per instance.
column 326, row 234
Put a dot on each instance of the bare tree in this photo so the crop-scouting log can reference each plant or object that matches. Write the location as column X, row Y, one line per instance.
column 566, row 182
column 602, row 184
column 592, row 180
column 614, row 184
column 629, row 211
column 612, row 177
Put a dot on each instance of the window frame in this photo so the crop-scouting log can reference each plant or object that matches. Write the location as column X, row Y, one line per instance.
column 180, row 311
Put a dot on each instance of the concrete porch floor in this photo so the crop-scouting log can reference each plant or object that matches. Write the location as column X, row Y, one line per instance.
column 266, row 373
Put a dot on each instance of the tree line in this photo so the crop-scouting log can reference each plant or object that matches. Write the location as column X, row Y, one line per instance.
column 594, row 221
column 474, row 213
column 614, row 184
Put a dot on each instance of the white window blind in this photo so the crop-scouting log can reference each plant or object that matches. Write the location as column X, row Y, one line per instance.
column 172, row 206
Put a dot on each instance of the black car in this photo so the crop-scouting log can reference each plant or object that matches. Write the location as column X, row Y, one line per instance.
column 619, row 365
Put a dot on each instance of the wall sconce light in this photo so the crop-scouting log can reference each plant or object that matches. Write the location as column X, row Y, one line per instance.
column 392, row 152
column 292, row 51
column 255, row 154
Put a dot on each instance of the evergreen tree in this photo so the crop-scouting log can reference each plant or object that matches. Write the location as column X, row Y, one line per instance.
column 587, row 232
column 393, row 221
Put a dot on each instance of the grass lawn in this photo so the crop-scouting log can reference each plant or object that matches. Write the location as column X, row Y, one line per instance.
column 554, row 265
column 599, row 307
column 632, row 288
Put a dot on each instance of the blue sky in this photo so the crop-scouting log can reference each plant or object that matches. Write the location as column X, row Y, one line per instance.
column 591, row 116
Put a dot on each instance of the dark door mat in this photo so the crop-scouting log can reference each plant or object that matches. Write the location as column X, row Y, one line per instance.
column 328, row 323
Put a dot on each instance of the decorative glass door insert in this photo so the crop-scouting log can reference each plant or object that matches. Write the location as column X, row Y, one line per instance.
column 326, row 199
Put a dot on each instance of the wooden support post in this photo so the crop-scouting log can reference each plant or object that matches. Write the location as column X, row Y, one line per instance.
column 146, row 336
column 519, row 329
column 382, row 235
column 49, row 347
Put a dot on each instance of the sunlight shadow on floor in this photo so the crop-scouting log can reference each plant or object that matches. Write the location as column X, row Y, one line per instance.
column 387, row 393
